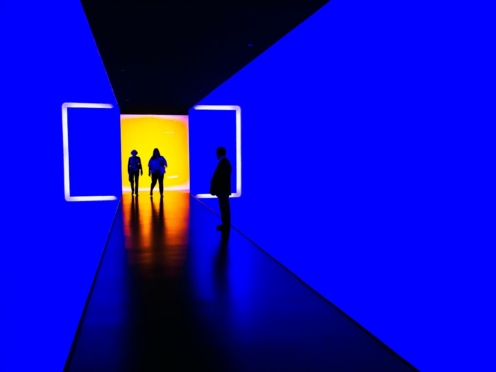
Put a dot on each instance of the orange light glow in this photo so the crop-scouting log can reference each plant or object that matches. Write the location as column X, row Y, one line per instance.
column 156, row 231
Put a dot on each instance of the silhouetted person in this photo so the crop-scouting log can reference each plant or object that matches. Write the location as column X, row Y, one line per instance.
column 134, row 169
column 221, row 187
column 156, row 169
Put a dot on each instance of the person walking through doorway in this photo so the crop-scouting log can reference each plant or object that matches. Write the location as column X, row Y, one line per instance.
column 133, row 170
column 220, row 186
column 156, row 169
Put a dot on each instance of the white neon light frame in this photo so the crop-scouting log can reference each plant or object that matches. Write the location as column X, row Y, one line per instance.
column 65, row 137
column 237, row 194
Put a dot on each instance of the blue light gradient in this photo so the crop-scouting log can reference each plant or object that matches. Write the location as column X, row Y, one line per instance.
column 51, row 248
column 368, row 169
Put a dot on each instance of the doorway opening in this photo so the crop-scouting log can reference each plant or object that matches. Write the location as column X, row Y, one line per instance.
column 168, row 133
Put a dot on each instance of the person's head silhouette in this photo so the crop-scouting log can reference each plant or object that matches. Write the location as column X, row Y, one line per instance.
column 221, row 151
column 156, row 154
column 134, row 152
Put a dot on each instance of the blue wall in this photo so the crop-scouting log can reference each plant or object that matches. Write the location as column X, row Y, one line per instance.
column 51, row 247
column 368, row 169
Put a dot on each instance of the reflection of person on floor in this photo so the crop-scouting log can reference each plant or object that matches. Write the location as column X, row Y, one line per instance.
column 221, row 187
column 133, row 169
column 156, row 169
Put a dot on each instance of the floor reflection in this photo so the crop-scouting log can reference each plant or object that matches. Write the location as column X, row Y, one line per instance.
column 190, row 298
column 156, row 231
column 221, row 262
column 156, row 234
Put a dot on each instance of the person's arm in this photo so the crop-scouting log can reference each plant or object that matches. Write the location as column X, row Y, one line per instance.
column 149, row 169
column 128, row 165
column 163, row 163
column 224, row 176
column 140, row 166
column 224, row 170
column 214, row 182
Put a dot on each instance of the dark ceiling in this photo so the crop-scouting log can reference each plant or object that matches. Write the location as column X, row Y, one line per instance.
column 162, row 57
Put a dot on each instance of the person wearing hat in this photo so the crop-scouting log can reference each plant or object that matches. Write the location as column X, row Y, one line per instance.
column 133, row 169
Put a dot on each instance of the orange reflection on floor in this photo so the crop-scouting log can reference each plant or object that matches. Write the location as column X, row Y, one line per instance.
column 156, row 232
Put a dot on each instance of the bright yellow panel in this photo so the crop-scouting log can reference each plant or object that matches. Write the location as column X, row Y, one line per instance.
column 169, row 134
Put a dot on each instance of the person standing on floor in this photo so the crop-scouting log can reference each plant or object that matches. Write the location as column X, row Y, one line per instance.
column 156, row 169
column 221, row 187
column 134, row 169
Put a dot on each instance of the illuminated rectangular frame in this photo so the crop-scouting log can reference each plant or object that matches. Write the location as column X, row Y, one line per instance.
column 237, row 194
column 65, row 136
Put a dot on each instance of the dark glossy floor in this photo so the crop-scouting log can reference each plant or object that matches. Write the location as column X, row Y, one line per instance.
column 173, row 294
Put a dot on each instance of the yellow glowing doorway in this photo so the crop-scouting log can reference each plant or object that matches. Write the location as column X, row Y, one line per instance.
column 168, row 133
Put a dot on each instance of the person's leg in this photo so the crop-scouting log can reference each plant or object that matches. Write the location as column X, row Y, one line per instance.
column 136, row 183
column 154, row 182
column 225, row 213
column 221, row 207
column 131, row 180
column 161, row 184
